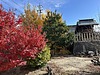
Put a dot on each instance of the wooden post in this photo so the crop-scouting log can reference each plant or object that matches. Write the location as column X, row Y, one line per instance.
column 82, row 36
column 87, row 36
column 79, row 37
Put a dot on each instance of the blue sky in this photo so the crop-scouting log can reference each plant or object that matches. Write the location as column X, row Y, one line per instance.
column 71, row 10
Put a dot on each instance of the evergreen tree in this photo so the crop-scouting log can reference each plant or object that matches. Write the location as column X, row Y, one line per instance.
column 56, row 31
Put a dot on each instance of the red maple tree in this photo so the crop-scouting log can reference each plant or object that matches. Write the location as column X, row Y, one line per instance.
column 17, row 44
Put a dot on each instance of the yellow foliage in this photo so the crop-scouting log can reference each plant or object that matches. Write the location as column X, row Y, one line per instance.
column 31, row 17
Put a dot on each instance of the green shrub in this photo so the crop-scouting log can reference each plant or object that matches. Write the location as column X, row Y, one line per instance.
column 41, row 59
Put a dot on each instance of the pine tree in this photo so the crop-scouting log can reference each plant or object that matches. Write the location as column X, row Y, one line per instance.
column 56, row 31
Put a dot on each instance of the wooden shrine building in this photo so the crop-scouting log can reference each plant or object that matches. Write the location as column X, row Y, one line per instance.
column 85, row 38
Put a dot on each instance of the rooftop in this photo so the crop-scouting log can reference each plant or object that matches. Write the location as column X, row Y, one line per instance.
column 87, row 22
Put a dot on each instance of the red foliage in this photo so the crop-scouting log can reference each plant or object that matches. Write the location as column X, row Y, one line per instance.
column 16, row 44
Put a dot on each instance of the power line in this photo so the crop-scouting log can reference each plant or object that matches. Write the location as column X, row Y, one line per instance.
column 15, row 9
column 17, row 3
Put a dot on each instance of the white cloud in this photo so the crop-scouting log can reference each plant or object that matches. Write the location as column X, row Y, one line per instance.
column 55, row 3
column 58, row 5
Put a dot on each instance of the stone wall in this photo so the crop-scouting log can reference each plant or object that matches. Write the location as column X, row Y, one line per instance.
column 84, row 47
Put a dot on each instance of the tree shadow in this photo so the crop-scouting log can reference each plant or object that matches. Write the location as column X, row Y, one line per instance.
column 20, row 70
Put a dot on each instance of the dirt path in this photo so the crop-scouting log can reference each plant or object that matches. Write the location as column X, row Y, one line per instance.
column 70, row 66
column 72, row 63
column 75, row 65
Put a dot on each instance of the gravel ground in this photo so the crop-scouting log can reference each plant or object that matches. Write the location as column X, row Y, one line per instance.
column 62, row 66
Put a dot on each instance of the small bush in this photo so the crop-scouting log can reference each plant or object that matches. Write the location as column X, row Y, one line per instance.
column 41, row 59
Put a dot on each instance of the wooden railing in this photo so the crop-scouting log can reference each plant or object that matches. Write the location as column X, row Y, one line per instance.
column 83, row 37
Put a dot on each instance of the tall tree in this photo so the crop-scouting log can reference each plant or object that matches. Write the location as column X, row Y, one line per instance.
column 56, row 31
column 31, row 17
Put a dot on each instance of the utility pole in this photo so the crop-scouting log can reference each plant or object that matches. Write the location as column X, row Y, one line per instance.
column 40, row 8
